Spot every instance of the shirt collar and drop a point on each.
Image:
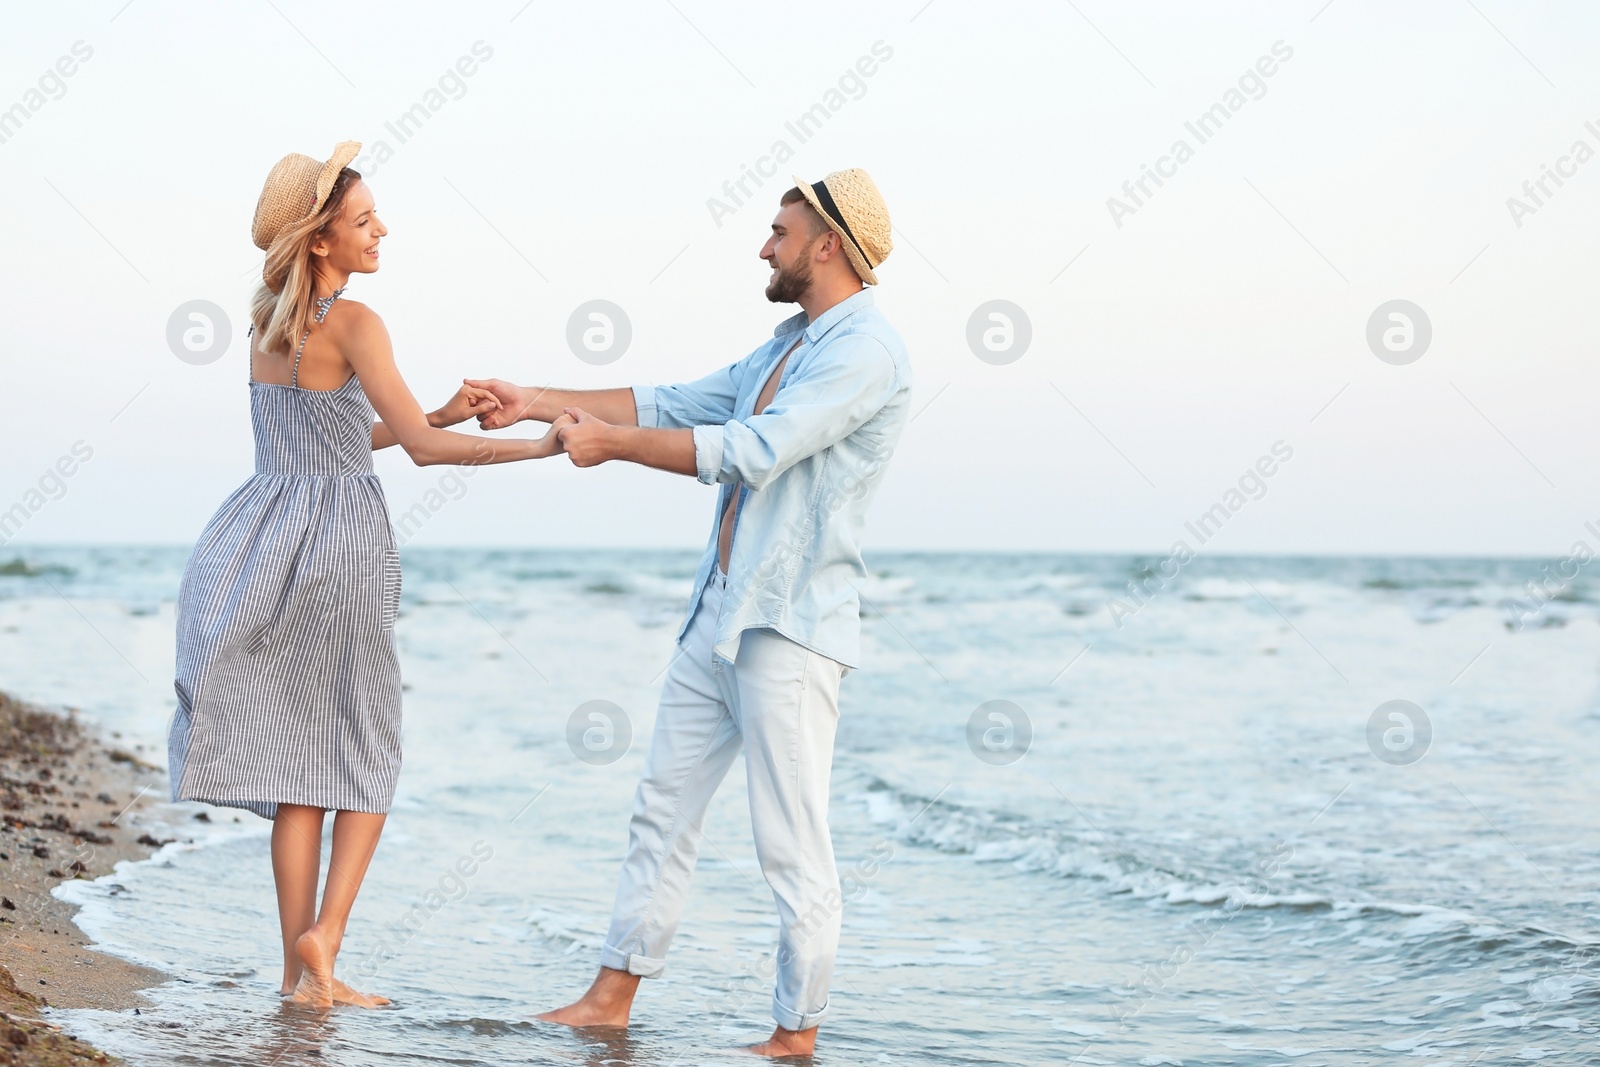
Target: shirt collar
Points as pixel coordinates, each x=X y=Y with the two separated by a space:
x=827 y=319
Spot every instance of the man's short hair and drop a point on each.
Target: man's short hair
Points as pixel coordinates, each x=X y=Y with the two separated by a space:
x=794 y=195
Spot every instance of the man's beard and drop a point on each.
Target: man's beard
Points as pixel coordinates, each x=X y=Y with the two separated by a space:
x=789 y=284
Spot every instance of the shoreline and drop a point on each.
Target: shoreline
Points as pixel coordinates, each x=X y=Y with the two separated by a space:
x=72 y=805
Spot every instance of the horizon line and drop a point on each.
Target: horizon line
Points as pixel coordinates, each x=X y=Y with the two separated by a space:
x=1276 y=554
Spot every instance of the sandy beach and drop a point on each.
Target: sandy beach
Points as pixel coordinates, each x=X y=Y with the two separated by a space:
x=72 y=808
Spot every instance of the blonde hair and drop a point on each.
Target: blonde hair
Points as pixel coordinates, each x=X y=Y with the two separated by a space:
x=284 y=306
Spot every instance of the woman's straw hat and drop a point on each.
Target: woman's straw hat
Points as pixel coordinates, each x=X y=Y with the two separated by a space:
x=851 y=205
x=296 y=189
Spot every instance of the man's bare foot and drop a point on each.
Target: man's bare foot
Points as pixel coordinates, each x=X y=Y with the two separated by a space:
x=784 y=1043
x=608 y=1002
x=316 y=981
x=583 y=1013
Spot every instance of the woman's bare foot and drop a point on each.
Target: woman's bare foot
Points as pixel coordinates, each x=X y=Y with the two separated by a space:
x=608 y=1002
x=316 y=981
x=318 y=987
x=343 y=994
x=784 y=1043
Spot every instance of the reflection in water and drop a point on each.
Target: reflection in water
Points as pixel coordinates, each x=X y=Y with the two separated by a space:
x=608 y=1046
x=299 y=1036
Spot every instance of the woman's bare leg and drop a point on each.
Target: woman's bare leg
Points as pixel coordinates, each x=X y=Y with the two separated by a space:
x=296 y=858
x=355 y=839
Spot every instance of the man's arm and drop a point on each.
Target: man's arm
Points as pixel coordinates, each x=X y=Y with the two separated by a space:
x=591 y=441
x=518 y=402
x=834 y=399
x=701 y=402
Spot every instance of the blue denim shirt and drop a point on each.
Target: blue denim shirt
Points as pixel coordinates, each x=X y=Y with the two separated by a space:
x=807 y=467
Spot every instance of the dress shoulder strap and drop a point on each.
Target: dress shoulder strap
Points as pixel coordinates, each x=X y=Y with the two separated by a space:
x=323 y=306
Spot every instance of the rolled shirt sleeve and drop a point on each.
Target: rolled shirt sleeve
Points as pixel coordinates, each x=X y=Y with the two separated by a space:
x=644 y=405
x=708 y=453
x=850 y=381
x=698 y=403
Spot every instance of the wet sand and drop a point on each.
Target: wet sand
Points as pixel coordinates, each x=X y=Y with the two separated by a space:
x=71 y=806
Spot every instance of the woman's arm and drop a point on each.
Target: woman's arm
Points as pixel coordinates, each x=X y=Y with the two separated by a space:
x=468 y=403
x=364 y=342
x=710 y=400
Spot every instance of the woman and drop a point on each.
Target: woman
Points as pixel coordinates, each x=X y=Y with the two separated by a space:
x=287 y=679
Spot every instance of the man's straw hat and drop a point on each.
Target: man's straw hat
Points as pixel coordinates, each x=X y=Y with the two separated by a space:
x=296 y=189
x=851 y=205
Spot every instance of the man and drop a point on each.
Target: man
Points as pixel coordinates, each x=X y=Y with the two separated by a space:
x=797 y=433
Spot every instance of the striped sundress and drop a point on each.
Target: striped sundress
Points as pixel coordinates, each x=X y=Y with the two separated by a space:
x=287 y=679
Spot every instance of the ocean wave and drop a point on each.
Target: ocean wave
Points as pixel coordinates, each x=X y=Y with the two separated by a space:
x=18 y=567
x=639 y=584
x=569 y=930
x=102 y=902
x=1140 y=872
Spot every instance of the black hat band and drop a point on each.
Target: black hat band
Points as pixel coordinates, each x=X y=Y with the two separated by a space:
x=831 y=209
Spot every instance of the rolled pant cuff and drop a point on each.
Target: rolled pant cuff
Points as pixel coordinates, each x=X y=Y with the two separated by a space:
x=790 y=1019
x=643 y=966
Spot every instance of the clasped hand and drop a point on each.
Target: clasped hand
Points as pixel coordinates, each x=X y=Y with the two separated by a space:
x=470 y=402
x=476 y=402
x=588 y=440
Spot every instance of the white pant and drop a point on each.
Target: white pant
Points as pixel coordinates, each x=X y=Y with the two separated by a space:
x=780 y=702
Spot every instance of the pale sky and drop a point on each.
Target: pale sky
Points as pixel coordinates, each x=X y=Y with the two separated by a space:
x=1227 y=313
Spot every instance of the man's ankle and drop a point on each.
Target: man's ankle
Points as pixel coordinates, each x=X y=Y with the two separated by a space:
x=614 y=986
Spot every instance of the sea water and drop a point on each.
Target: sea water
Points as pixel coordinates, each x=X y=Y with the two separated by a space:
x=1076 y=821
